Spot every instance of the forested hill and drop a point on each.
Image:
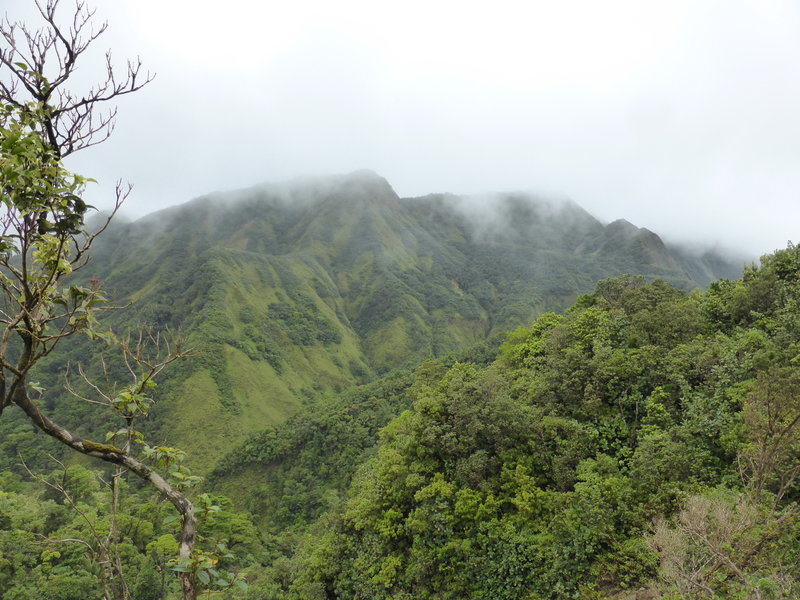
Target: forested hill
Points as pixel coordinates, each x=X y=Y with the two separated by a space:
x=641 y=442
x=644 y=444
x=292 y=291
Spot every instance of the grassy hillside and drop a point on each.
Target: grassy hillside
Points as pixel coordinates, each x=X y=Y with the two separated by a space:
x=292 y=293
x=643 y=444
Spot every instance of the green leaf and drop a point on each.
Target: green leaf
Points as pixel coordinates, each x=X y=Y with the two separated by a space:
x=242 y=585
x=203 y=576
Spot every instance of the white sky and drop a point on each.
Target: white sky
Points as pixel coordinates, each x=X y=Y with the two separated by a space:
x=680 y=116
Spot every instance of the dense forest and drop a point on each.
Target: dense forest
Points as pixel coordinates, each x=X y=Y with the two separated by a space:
x=645 y=443
x=321 y=391
x=289 y=294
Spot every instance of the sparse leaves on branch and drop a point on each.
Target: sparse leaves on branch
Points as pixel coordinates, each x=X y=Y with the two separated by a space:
x=44 y=242
x=38 y=63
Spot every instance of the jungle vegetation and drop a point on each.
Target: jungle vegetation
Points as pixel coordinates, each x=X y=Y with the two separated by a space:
x=387 y=401
x=644 y=441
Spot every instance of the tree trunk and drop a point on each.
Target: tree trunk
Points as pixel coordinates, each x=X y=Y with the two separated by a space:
x=120 y=457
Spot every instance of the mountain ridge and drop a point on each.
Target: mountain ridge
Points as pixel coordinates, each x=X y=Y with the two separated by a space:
x=296 y=290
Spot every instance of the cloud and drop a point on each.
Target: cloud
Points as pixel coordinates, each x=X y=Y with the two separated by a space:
x=678 y=116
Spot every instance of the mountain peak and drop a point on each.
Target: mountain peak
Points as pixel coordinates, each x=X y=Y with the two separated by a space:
x=366 y=175
x=366 y=182
x=622 y=225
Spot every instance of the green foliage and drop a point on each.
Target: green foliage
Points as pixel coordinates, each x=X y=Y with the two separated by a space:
x=303 y=324
x=45 y=549
x=312 y=457
x=532 y=471
x=541 y=474
x=342 y=282
x=33 y=180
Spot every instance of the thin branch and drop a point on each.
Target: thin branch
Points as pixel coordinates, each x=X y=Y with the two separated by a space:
x=68 y=386
x=63 y=491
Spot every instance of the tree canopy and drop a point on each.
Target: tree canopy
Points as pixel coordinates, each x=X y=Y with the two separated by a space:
x=44 y=243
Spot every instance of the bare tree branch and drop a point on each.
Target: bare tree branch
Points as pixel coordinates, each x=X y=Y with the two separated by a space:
x=43 y=242
x=42 y=61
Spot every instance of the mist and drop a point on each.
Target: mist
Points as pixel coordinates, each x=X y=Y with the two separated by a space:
x=676 y=116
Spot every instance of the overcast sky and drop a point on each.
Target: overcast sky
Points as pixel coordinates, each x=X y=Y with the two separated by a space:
x=680 y=116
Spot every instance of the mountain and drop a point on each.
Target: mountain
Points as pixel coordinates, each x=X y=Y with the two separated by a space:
x=643 y=444
x=290 y=292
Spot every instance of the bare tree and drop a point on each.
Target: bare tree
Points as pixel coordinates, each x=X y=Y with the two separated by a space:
x=39 y=62
x=734 y=540
x=43 y=242
x=723 y=545
x=102 y=548
x=770 y=459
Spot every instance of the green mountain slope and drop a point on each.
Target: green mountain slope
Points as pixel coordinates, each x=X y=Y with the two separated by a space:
x=291 y=292
x=643 y=444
